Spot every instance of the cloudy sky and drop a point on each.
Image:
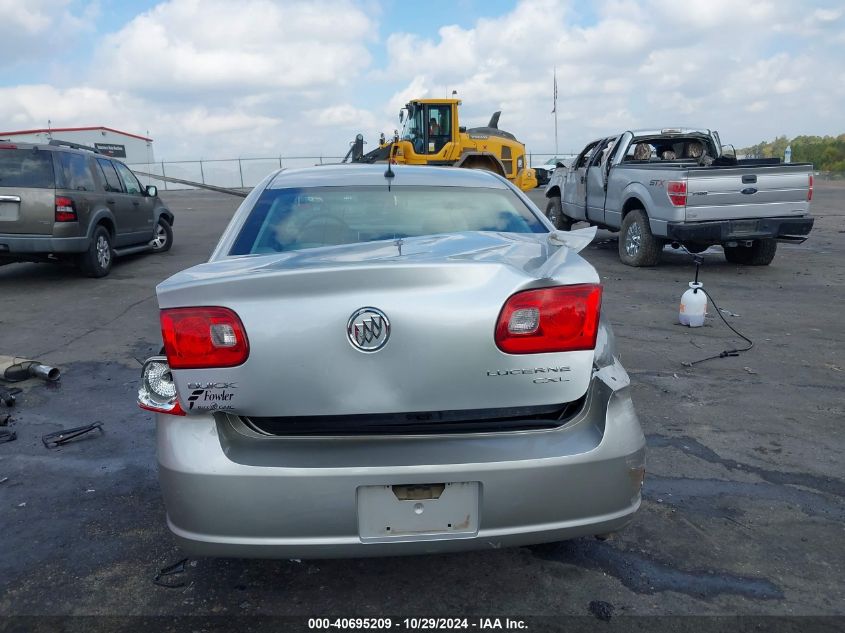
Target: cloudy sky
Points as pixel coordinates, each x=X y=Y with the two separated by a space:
x=220 y=79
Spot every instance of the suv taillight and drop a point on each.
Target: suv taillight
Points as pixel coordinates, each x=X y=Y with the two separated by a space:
x=559 y=319
x=204 y=337
x=810 y=187
x=65 y=209
x=677 y=190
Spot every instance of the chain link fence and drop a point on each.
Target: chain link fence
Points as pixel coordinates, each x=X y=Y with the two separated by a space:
x=232 y=173
x=245 y=173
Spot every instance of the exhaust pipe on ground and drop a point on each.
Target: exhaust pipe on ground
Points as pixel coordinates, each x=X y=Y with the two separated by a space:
x=15 y=369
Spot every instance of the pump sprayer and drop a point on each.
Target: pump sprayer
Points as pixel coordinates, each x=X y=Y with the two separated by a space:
x=694 y=301
x=693 y=310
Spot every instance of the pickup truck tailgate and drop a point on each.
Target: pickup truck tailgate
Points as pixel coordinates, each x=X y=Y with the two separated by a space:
x=755 y=191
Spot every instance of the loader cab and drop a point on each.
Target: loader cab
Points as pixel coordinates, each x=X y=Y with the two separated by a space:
x=427 y=126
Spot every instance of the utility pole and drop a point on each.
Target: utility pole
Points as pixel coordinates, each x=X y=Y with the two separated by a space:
x=554 y=110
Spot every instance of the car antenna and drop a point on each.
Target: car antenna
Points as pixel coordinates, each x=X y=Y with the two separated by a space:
x=389 y=174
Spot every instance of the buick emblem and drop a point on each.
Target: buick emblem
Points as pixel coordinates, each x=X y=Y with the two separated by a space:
x=368 y=329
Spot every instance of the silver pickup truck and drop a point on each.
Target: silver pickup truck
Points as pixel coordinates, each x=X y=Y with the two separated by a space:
x=677 y=186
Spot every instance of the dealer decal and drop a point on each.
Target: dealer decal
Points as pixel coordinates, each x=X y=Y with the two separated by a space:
x=211 y=396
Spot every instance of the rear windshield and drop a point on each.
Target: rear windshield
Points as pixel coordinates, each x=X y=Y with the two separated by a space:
x=675 y=148
x=295 y=219
x=26 y=168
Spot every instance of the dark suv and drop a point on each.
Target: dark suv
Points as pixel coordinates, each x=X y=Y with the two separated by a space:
x=67 y=202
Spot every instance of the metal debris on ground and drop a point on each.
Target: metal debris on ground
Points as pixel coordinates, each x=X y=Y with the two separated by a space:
x=170 y=570
x=7 y=435
x=8 y=395
x=59 y=438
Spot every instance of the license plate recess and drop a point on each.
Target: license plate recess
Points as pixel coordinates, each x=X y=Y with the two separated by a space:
x=419 y=512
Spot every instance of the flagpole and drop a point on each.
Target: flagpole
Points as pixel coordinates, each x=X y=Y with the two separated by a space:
x=554 y=110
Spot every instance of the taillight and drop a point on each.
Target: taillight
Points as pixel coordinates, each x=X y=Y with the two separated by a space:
x=559 y=319
x=8 y=146
x=677 y=190
x=810 y=188
x=65 y=209
x=158 y=391
x=197 y=338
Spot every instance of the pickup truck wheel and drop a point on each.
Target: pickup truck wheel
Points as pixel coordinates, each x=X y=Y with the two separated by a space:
x=637 y=244
x=554 y=211
x=97 y=260
x=760 y=253
x=162 y=238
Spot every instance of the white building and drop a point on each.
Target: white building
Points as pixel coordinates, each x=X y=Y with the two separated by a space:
x=130 y=148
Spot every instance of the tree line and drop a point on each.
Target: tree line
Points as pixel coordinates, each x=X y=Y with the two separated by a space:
x=826 y=153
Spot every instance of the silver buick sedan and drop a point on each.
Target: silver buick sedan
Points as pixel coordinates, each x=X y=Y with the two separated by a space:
x=390 y=362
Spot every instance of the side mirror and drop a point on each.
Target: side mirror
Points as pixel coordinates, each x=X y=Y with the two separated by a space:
x=152 y=191
x=729 y=150
x=401 y=116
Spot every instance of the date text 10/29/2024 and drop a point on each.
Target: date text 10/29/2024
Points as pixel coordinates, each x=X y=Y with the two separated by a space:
x=418 y=624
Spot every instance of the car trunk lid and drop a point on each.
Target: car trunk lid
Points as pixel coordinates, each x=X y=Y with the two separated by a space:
x=442 y=297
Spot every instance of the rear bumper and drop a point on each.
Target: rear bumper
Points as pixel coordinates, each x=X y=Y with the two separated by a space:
x=231 y=493
x=41 y=244
x=722 y=231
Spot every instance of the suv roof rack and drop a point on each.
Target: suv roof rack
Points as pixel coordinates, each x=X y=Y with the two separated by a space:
x=73 y=145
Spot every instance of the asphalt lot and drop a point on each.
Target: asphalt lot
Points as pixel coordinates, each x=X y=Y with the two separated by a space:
x=744 y=496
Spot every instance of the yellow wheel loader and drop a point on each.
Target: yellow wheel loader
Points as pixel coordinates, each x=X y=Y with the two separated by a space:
x=431 y=135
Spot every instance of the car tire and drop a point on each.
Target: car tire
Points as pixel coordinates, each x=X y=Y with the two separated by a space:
x=163 y=237
x=97 y=260
x=760 y=253
x=637 y=244
x=554 y=211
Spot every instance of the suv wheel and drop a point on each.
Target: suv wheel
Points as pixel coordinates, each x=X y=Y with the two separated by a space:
x=760 y=253
x=637 y=244
x=162 y=238
x=554 y=211
x=97 y=260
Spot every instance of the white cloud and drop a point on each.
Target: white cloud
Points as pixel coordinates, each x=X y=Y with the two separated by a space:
x=343 y=115
x=32 y=29
x=220 y=79
x=714 y=63
x=215 y=47
x=34 y=105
